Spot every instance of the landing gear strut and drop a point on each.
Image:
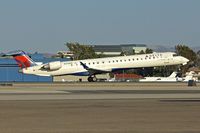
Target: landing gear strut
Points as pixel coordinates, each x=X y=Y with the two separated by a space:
x=92 y=79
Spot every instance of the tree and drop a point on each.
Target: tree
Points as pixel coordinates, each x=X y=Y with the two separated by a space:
x=133 y=51
x=198 y=59
x=122 y=53
x=188 y=53
x=141 y=52
x=81 y=51
x=148 y=51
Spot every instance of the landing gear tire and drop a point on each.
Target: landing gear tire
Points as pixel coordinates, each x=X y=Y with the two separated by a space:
x=92 y=79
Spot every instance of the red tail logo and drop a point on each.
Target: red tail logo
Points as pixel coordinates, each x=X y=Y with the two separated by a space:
x=22 y=59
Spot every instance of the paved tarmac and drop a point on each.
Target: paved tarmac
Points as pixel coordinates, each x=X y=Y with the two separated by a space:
x=100 y=108
x=91 y=91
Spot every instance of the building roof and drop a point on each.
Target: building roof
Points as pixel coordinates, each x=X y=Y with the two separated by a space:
x=114 y=48
x=133 y=45
x=107 y=48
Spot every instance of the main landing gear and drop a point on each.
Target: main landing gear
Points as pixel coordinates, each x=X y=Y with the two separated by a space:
x=92 y=78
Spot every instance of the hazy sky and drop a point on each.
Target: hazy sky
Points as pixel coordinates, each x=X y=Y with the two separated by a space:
x=45 y=25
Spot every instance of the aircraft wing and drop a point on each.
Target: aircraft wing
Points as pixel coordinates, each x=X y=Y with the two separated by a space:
x=93 y=71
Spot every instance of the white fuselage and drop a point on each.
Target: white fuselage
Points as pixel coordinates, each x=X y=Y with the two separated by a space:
x=189 y=76
x=172 y=78
x=109 y=64
x=160 y=79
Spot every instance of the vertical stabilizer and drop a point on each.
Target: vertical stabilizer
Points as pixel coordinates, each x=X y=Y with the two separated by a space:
x=22 y=59
x=173 y=75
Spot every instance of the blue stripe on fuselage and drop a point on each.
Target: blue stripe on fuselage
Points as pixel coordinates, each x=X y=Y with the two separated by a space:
x=86 y=73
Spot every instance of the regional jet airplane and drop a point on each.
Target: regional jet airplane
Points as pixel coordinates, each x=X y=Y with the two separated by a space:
x=172 y=78
x=92 y=67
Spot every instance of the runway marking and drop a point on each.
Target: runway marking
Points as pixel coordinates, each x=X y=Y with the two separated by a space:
x=132 y=91
x=180 y=100
x=36 y=92
x=59 y=94
x=90 y=92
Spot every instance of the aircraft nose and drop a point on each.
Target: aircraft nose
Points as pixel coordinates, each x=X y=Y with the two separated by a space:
x=185 y=60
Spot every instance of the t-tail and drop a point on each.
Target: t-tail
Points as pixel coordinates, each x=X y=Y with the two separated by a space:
x=22 y=59
x=173 y=75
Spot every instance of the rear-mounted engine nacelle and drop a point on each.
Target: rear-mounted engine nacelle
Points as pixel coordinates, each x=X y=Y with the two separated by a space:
x=53 y=65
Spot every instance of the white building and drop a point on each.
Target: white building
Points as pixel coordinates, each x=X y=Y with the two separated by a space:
x=114 y=50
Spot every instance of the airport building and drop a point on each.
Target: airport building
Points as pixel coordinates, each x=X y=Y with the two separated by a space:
x=114 y=50
x=9 y=70
x=111 y=50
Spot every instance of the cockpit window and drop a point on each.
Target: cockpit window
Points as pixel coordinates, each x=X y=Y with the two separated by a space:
x=174 y=55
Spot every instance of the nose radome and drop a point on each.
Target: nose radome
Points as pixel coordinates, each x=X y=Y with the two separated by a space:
x=185 y=60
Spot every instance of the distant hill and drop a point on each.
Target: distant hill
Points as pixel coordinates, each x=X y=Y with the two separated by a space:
x=161 y=48
x=165 y=48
